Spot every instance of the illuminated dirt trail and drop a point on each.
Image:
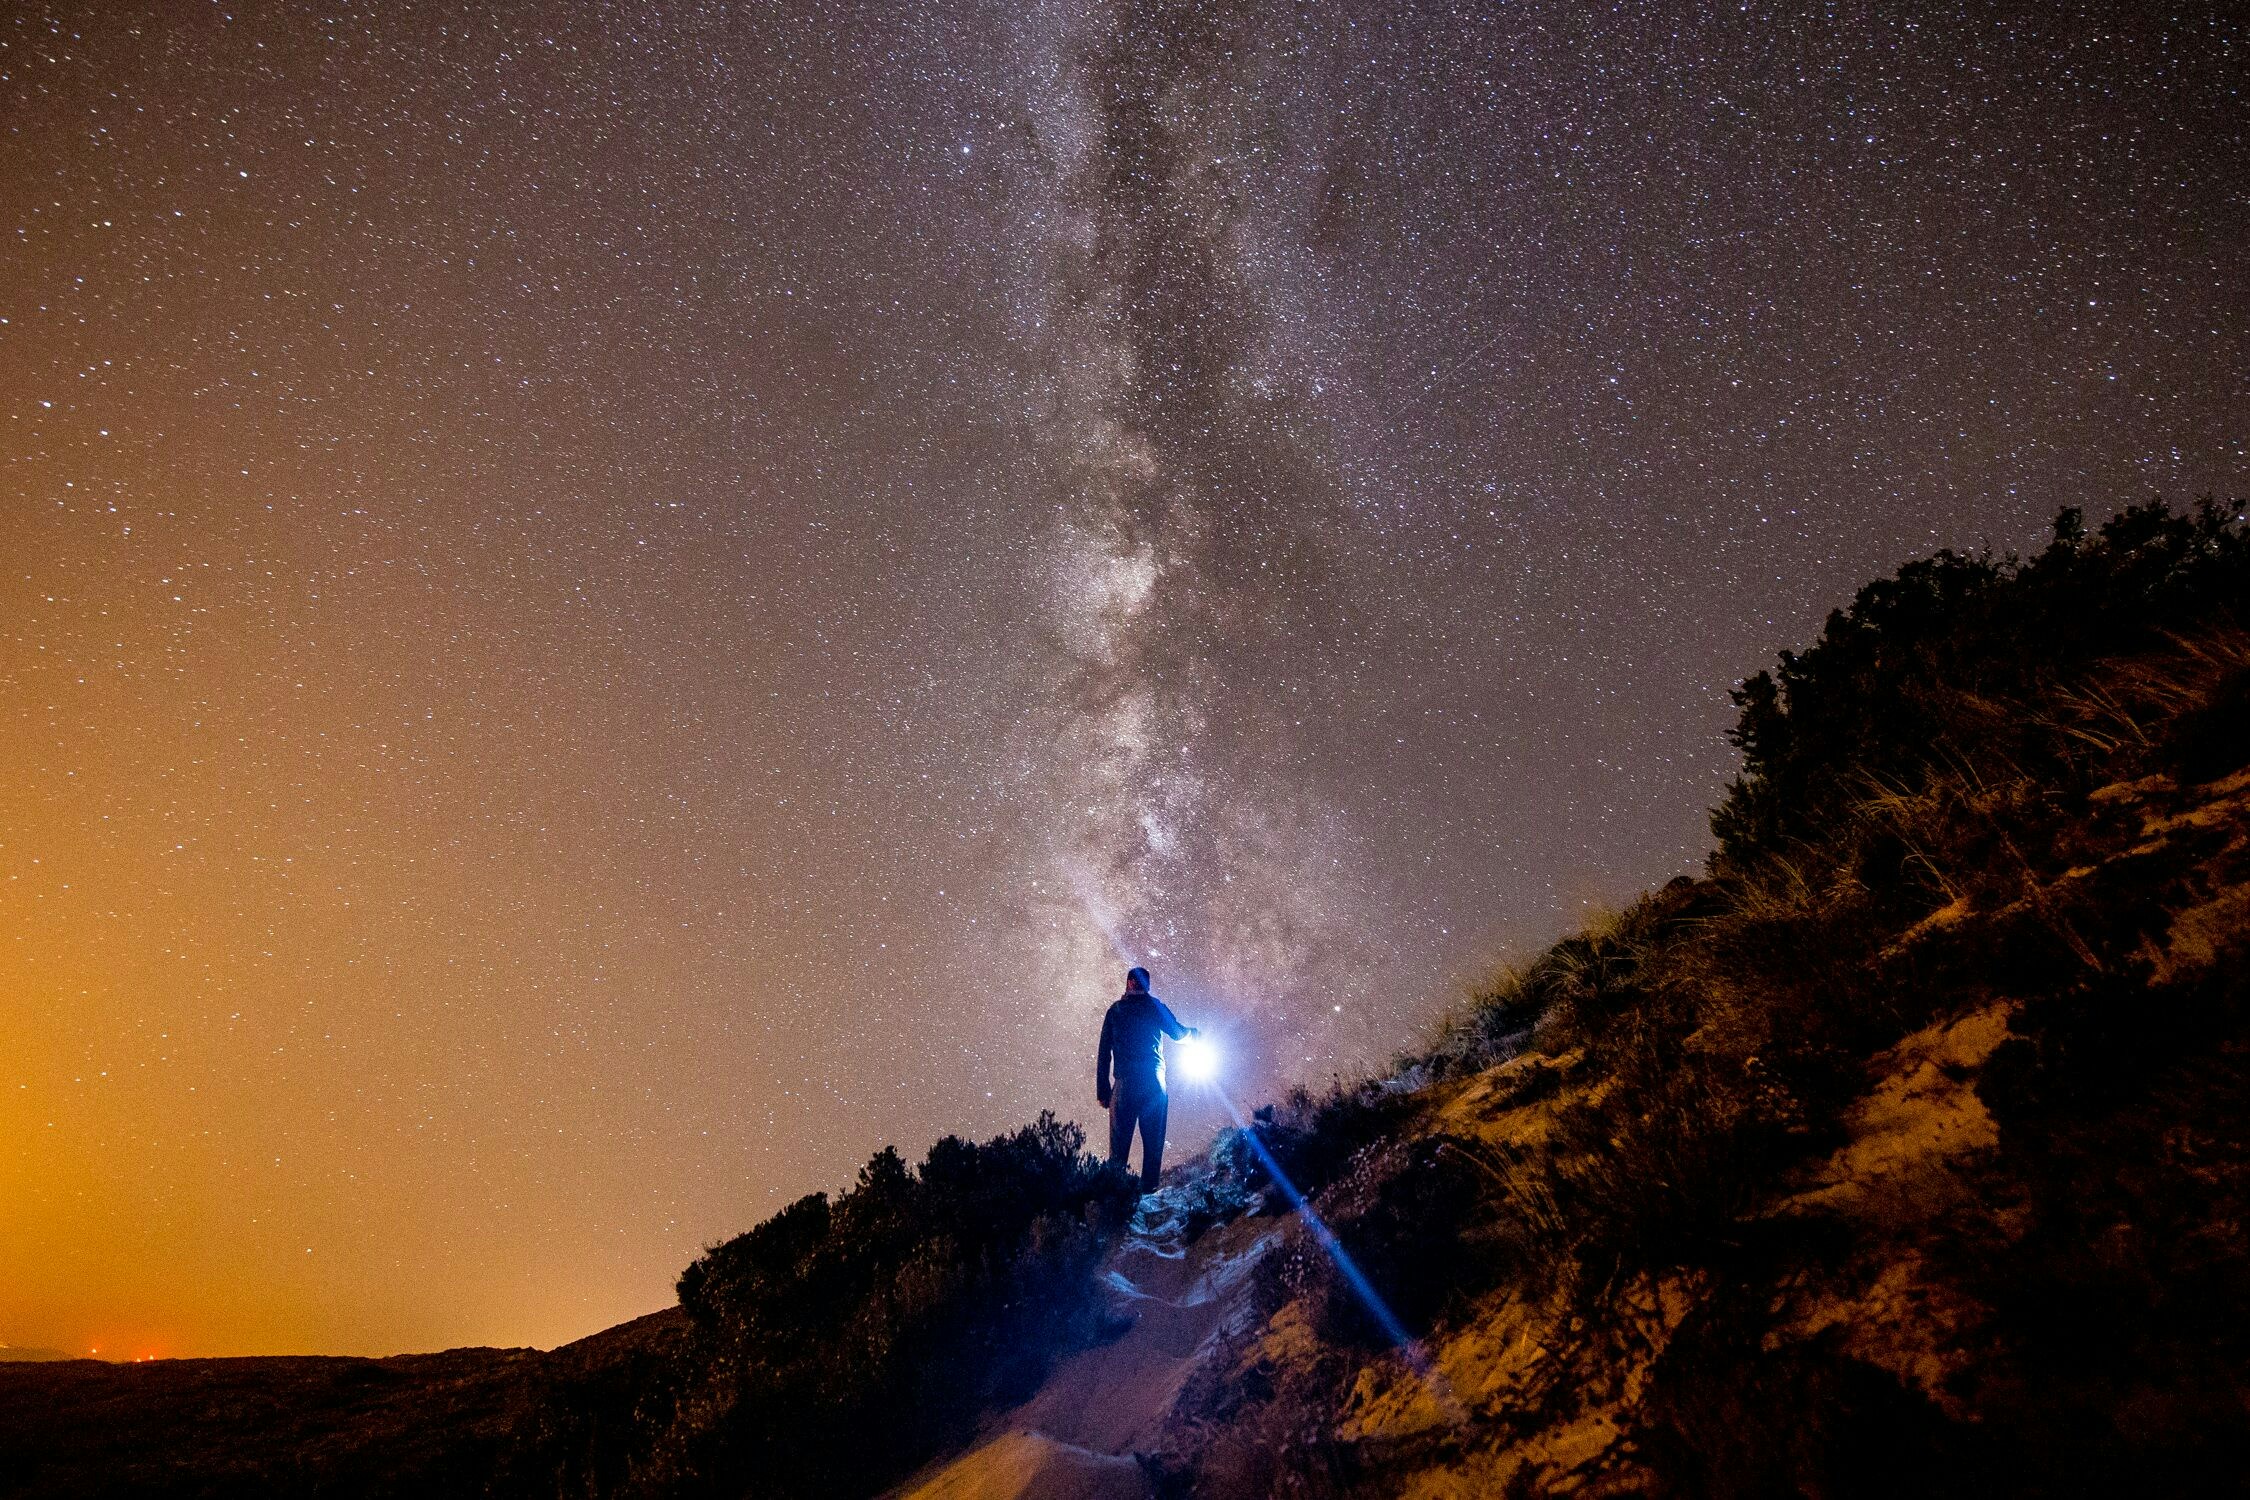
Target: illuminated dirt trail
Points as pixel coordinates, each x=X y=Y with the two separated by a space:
x=1075 y=1438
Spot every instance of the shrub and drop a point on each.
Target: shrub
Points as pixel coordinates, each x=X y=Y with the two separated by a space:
x=1926 y=666
x=843 y=1341
x=1310 y=1137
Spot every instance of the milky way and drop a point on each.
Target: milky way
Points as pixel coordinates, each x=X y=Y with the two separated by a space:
x=1199 y=613
x=610 y=608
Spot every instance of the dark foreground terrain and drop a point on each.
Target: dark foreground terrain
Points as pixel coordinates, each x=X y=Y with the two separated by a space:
x=1903 y=1153
x=431 y=1424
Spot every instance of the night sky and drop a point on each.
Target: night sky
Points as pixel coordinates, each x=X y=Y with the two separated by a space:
x=607 y=608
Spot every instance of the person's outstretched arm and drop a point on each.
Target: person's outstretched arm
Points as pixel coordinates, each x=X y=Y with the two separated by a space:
x=1171 y=1023
x=1101 y=1061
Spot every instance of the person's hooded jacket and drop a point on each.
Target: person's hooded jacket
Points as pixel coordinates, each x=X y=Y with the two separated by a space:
x=1132 y=1033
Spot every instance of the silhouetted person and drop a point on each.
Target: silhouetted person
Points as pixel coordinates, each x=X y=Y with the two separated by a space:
x=1131 y=1034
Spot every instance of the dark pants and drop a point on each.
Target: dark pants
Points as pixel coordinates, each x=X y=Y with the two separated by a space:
x=1144 y=1104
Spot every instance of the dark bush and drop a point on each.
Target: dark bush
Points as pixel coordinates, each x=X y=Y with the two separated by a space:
x=1310 y=1137
x=1932 y=665
x=844 y=1341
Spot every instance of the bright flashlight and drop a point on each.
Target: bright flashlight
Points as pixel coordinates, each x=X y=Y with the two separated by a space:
x=1198 y=1060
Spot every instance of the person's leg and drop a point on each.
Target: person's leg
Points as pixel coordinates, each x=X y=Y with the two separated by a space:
x=1154 y=1109
x=1121 y=1116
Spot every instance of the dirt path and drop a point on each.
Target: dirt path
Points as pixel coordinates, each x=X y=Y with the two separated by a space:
x=1075 y=1438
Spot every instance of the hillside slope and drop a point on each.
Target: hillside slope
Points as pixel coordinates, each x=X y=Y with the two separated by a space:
x=1902 y=1153
x=1990 y=1269
x=2004 y=1252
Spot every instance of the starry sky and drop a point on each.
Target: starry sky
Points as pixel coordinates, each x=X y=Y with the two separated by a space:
x=605 y=608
